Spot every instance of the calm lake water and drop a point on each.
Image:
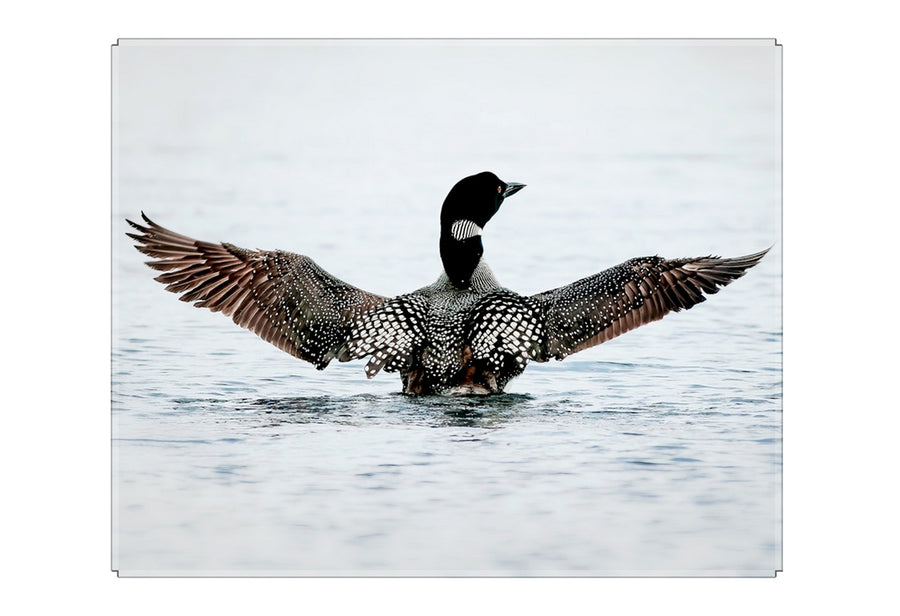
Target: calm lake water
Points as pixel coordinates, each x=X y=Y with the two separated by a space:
x=657 y=453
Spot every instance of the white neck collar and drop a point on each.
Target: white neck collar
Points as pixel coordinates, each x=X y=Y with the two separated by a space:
x=464 y=229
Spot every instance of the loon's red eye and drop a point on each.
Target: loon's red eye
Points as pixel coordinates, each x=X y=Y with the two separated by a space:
x=499 y=189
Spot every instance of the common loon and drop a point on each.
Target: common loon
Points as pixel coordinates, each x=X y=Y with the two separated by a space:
x=464 y=334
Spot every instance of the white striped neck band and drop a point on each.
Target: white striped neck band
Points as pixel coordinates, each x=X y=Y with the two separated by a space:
x=464 y=229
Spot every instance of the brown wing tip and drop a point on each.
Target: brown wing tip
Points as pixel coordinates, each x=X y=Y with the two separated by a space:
x=747 y=261
x=147 y=219
x=754 y=258
x=154 y=230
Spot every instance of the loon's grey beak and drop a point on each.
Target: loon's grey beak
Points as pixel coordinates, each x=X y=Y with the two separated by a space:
x=512 y=188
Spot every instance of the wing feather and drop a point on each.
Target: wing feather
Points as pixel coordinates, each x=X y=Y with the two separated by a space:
x=285 y=298
x=600 y=307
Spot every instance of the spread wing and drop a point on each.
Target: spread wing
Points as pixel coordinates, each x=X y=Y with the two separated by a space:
x=600 y=307
x=283 y=297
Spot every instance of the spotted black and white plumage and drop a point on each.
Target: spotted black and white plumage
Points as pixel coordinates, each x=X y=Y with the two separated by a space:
x=463 y=334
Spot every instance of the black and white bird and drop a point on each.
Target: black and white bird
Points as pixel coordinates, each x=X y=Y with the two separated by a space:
x=464 y=334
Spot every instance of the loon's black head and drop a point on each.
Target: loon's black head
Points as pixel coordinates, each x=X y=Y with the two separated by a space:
x=476 y=198
x=471 y=203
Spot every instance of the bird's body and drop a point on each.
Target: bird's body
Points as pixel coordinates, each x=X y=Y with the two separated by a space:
x=464 y=334
x=463 y=341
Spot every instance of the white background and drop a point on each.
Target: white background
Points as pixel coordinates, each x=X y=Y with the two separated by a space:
x=840 y=133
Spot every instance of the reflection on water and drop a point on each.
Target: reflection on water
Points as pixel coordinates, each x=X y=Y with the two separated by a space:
x=369 y=409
